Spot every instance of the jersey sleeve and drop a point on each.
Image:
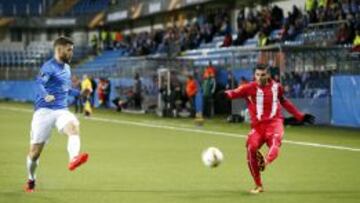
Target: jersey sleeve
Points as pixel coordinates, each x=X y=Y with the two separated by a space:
x=240 y=92
x=42 y=78
x=289 y=106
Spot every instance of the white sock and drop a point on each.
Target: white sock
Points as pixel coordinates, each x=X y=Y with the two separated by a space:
x=31 y=167
x=73 y=146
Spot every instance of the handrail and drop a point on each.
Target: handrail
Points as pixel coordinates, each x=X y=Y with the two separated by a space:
x=337 y=22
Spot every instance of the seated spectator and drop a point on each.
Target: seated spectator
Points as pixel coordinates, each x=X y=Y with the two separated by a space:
x=227 y=40
x=343 y=34
x=263 y=39
x=242 y=36
x=356 y=43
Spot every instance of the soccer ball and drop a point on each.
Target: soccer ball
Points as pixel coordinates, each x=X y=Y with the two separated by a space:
x=212 y=157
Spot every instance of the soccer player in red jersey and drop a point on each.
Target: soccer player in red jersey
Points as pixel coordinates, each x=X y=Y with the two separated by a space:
x=264 y=99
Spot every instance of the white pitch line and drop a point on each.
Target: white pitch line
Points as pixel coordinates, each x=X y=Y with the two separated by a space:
x=142 y=124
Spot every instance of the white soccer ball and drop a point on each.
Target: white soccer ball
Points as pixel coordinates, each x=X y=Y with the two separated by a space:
x=212 y=157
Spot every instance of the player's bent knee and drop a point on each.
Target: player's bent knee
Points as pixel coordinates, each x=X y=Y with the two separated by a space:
x=72 y=128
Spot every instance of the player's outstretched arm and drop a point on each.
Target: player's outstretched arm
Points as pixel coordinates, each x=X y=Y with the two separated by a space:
x=239 y=92
x=299 y=118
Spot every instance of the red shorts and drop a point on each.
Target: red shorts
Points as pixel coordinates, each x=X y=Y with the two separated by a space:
x=269 y=132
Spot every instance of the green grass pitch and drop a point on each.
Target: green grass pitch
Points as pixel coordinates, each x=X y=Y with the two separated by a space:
x=143 y=158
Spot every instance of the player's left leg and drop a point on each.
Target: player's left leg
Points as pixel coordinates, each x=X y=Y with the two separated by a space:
x=41 y=125
x=68 y=124
x=253 y=144
x=274 y=134
x=32 y=161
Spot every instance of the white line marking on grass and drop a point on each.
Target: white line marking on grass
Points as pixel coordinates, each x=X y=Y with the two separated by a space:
x=208 y=132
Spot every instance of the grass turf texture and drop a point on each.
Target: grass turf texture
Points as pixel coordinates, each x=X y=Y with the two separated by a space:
x=142 y=164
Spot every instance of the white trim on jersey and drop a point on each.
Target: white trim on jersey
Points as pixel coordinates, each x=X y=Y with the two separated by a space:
x=274 y=90
x=259 y=103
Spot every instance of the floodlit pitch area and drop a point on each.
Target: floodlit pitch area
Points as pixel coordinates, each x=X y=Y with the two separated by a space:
x=143 y=158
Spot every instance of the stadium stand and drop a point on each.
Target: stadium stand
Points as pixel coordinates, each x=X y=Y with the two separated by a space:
x=21 y=8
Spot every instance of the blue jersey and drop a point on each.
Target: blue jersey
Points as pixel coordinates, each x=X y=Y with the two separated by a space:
x=54 y=79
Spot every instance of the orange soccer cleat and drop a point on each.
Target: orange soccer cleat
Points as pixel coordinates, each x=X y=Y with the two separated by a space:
x=78 y=161
x=257 y=190
x=30 y=186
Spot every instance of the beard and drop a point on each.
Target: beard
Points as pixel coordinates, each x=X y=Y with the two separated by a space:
x=65 y=59
x=263 y=81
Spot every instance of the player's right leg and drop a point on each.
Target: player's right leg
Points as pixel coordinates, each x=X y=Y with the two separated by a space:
x=41 y=126
x=274 y=134
x=68 y=124
x=253 y=144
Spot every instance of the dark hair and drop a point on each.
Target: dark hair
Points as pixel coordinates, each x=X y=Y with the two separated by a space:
x=63 y=41
x=261 y=67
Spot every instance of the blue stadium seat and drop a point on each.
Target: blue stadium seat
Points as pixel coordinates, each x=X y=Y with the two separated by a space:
x=106 y=60
x=88 y=7
x=20 y=7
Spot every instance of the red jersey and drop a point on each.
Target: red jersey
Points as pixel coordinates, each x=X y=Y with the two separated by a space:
x=264 y=102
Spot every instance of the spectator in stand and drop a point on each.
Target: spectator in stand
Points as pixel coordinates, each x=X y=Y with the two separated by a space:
x=227 y=40
x=343 y=34
x=356 y=42
x=346 y=6
x=277 y=15
x=242 y=36
x=310 y=7
x=355 y=6
x=323 y=4
x=95 y=44
x=263 y=39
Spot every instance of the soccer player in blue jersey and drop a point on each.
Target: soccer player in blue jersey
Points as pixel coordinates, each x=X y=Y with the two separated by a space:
x=51 y=109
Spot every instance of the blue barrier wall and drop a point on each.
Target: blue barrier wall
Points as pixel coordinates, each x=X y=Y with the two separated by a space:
x=319 y=107
x=26 y=90
x=18 y=90
x=345 y=101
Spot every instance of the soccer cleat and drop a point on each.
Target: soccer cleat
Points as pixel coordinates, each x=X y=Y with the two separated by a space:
x=78 y=161
x=261 y=161
x=30 y=186
x=256 y=190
